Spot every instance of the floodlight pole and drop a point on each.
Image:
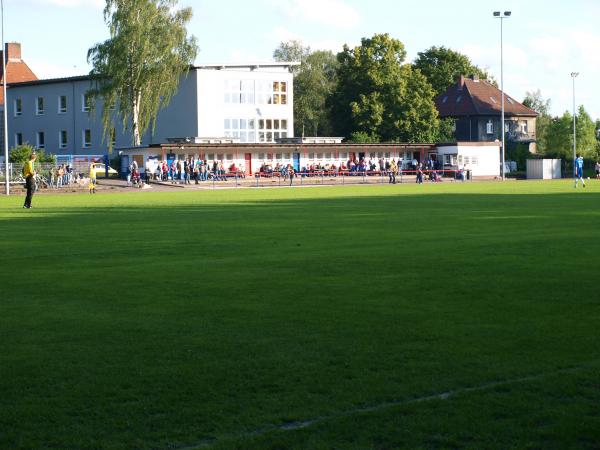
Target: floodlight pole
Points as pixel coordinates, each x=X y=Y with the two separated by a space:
x=5 y=107
x=506 y=15
x=574 y=75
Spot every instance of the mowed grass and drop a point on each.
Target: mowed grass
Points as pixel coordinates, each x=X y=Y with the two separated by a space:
x=316 y=318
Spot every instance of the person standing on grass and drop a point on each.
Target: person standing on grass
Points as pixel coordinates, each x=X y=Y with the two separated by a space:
x=392 y=172
x=29 y=175
x=597 y=170
x=419 y=174
x=579 y=171
x=291 y=173
x=92 y=185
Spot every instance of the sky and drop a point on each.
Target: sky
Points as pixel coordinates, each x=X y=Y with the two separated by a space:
x=544 y=40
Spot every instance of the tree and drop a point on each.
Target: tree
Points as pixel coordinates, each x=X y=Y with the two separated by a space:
x=560 y=136
x=137 y=70
x=292 y=51
x=442 y=67
x=21 y=153
x=379 y=96
x=586 y=134
x=314 y=82
x=535 y=101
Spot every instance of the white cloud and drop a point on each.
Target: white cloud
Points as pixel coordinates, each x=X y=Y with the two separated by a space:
x=333 y=13
x=281 y=34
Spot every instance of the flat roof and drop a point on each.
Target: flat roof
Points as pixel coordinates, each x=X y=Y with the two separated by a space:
x=51 y=81
x=75 y=78
x=254 y=65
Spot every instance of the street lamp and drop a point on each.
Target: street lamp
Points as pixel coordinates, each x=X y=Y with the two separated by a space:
x=4 y=111
x=574 y=75
x=503 y=16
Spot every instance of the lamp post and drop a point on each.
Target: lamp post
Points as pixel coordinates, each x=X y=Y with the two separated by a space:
x=4 y=109
x=502 y=16
x=573 y=76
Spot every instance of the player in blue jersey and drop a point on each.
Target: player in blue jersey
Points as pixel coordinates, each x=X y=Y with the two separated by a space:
x=579 y=171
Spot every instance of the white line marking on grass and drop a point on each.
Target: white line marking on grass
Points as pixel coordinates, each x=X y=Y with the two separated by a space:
x=292 y=426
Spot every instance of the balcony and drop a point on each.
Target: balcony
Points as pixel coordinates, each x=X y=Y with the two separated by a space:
x=520 y=136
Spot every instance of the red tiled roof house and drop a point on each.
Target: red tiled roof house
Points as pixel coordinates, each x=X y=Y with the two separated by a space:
x=476 y=106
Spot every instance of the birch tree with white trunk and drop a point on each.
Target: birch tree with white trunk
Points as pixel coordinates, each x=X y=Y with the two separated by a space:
x=137 y=70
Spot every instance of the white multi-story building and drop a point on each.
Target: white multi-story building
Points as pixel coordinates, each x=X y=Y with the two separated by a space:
x=251 y=103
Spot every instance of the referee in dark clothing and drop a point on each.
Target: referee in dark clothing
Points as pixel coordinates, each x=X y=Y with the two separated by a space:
x=29 y=174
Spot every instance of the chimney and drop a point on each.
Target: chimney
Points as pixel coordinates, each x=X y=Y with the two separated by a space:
x=12 y=50
x=475 y=77
x=461 y=82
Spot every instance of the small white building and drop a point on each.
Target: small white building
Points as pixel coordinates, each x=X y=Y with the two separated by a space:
x=481 y=158
x=544 y=169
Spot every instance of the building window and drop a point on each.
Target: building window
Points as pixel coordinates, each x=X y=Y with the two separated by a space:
x=86 y=102
x=39 y=106
x=18 y=107
x=87 y=138
x=239 y=91
x=271 y=129
x=62 y=104
x=279 y=93
x=272 y=92
x=18 y=139
x=63 y=139
x=489 y=127
x=242 y=129
x=40 y=140
x=524 y=128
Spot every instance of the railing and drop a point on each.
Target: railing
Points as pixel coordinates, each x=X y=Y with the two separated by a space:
x=342 y=177
x=519 y=136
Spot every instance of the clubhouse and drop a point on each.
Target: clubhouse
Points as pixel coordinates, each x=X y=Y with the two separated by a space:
x=481 y=158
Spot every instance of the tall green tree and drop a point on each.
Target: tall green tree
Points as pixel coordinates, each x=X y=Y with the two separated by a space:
x=379 y=96
x=442 y=67
x=536 y=101
x=292 y=51
x=314 y=83
x=137 y=70
x=560 y=136
x=586 y=134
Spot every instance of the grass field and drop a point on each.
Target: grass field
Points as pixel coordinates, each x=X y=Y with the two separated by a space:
x=376 y=317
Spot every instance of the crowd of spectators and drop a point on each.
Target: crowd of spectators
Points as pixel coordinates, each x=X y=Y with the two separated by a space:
x=183 y=171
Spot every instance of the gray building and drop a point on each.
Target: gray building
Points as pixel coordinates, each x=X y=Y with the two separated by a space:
x=248 y=103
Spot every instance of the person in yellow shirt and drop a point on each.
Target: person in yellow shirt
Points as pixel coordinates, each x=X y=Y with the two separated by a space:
x=29 y=174
x=92 y=185
x=392 y=172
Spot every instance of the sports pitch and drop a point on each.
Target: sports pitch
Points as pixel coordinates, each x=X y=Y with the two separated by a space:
x=439 y=316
